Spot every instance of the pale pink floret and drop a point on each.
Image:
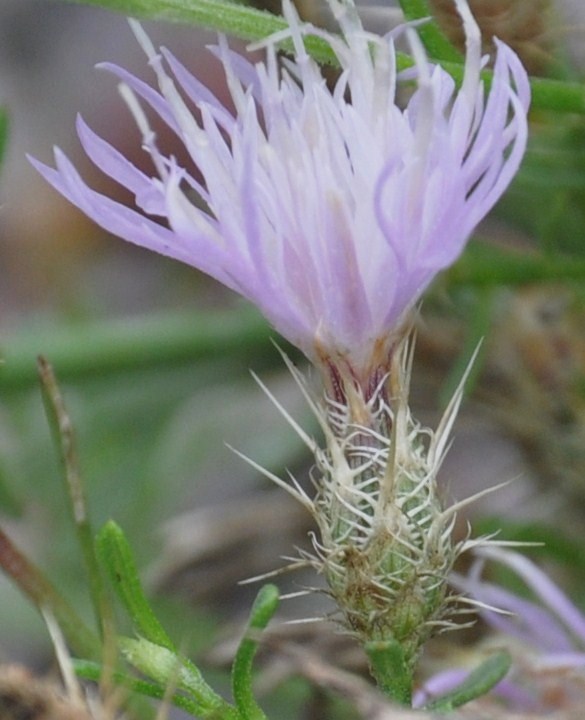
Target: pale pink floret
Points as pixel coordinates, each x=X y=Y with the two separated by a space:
x=330 y=210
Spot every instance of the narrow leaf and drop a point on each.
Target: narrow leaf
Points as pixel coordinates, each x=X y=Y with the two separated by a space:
x=86 y=350
x=485 y=265
x=116 y=556
x=479 y=324
x=11 y=502
x=155 y=653
x=262 y=612
x=479 y=682
x=168 y=669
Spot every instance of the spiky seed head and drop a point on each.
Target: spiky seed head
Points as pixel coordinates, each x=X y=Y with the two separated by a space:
x=385 y=543
x=386 y=547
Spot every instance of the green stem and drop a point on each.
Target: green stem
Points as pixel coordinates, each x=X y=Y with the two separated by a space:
x=62 y=430
x=117 y=558
x=547 y=94
x=221 y=15
x=390 y=670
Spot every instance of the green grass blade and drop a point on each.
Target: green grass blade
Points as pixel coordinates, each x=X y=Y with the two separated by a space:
x=64 y=439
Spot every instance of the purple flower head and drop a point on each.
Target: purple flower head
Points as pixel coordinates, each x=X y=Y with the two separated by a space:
x=331 y=210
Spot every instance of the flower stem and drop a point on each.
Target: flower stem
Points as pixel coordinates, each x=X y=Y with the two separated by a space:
x=64 y=439
x=390 y=670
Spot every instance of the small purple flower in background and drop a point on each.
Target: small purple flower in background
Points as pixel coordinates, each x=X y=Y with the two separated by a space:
x=552 y=625
x=331 y=211
x=545 y=635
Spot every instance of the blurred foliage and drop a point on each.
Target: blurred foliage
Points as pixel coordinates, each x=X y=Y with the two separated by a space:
x=547 y=198
x=153 y=401
x=123 y=407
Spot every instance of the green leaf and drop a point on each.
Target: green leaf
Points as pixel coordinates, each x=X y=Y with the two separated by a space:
x=262 y=612
x=479 y=682
x=435 y=41
x=12 y=503
x=154 y=653
x=171 y=670
x=116 y=555
x=390 y=669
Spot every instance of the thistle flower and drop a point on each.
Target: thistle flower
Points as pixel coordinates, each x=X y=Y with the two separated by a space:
x=330 y=211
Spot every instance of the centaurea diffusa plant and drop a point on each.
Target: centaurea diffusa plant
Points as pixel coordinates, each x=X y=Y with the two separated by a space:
x=332 y=211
